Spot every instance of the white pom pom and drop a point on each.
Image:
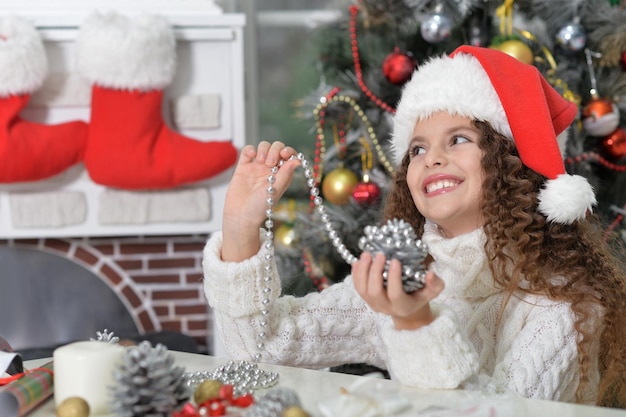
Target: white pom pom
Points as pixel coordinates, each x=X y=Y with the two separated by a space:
x=23 y=61
x=126 y=52
x=566 y=198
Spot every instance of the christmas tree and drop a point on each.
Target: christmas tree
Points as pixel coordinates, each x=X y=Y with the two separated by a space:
x=365 y=58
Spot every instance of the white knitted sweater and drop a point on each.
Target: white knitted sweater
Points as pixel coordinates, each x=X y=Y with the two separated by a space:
x=531 y=352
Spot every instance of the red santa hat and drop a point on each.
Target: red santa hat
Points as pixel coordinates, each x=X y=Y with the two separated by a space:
x=488 y=85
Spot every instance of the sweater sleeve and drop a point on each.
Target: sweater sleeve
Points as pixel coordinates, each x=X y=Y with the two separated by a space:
x=319 y=330
x=437 y=356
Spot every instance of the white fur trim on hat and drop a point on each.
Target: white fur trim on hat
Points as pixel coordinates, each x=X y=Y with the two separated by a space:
x=459 y=86
x=23 y=62
x=129 y=53
x=566 y=198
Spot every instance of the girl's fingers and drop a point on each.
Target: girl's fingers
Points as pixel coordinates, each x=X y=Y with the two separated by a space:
x=263 y=149
x=375 y=283
x=394 y=279
x=287 y=152
x=273 y=156
x=434 y=286
x=359 y=272
x=248 y=153
x=284 y=175
x=270 y=154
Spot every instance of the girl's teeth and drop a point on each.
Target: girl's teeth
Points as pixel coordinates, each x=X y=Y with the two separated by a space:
x=439 y=185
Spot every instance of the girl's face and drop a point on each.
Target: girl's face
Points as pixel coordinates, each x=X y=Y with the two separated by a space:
x=445 y=175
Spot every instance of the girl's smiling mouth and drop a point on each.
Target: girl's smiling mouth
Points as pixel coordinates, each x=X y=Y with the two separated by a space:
x=440 y=183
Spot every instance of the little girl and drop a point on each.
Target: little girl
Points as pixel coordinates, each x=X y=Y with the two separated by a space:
x=522 y=294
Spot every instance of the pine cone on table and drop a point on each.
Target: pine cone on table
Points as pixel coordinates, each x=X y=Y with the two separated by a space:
x=148 y=383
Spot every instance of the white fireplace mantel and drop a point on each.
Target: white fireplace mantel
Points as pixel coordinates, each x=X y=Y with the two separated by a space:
x=210 y=64
x=58 y=13
x=158 y=6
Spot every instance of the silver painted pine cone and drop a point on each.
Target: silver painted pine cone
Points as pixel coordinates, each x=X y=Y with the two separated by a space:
x=397 y=239
x=147 y=383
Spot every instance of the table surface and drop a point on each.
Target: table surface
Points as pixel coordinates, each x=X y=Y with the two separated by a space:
x=317 y=387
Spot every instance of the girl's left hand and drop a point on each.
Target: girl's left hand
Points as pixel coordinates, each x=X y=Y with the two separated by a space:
x=408 y=311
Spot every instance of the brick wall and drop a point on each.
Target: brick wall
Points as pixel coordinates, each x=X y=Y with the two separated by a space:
x=158 y=279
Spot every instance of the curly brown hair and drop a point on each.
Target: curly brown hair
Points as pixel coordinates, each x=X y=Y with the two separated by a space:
x=594 y=277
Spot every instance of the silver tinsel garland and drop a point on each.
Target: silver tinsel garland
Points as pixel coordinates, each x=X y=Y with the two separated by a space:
x=397 y=239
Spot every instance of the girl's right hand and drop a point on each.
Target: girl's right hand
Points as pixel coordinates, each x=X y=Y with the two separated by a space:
x=246 y=198
x=408 y=311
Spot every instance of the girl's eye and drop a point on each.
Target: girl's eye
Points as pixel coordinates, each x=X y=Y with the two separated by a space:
x=416 y=150
x=460 y=139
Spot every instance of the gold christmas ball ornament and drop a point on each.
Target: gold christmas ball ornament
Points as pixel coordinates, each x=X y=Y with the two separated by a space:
x=207 y=390
x=338 y=184
x=73 y=407
x=295 y=411
x=285 y=236
x=517 y=49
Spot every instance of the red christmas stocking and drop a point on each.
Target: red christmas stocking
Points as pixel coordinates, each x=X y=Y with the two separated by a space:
x=30 y=151
x=130 y=61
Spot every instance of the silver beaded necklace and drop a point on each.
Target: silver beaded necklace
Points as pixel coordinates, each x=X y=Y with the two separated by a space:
x=269 y=240
x=395 y=239
x=245 y=377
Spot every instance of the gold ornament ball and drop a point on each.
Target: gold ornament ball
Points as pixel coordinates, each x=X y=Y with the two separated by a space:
x=207 y=390
x=517 y=49
x=338 y=184
x=285 y=236
x=73 y=407
x=294 y=411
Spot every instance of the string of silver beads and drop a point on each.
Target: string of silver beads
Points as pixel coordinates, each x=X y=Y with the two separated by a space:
x=343 y=251
x=396 y=239
x=244 y=376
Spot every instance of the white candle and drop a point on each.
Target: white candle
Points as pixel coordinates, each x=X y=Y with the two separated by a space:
x=85 y=369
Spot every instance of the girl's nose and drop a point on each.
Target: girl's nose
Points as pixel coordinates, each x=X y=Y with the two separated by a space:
x=435 y=156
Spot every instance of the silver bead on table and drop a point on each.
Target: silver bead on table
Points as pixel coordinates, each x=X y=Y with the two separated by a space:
x=244 y=376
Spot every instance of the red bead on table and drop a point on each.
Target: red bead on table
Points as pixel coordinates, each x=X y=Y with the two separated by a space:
x=188 y=410
x=226 y=392
x=243 y=401
x=217 y=408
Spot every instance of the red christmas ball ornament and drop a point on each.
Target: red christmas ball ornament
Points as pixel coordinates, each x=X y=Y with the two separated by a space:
x=398 y=67
x=366 y=193
x=623 y=61
x=600 y=117
x=614 y=145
